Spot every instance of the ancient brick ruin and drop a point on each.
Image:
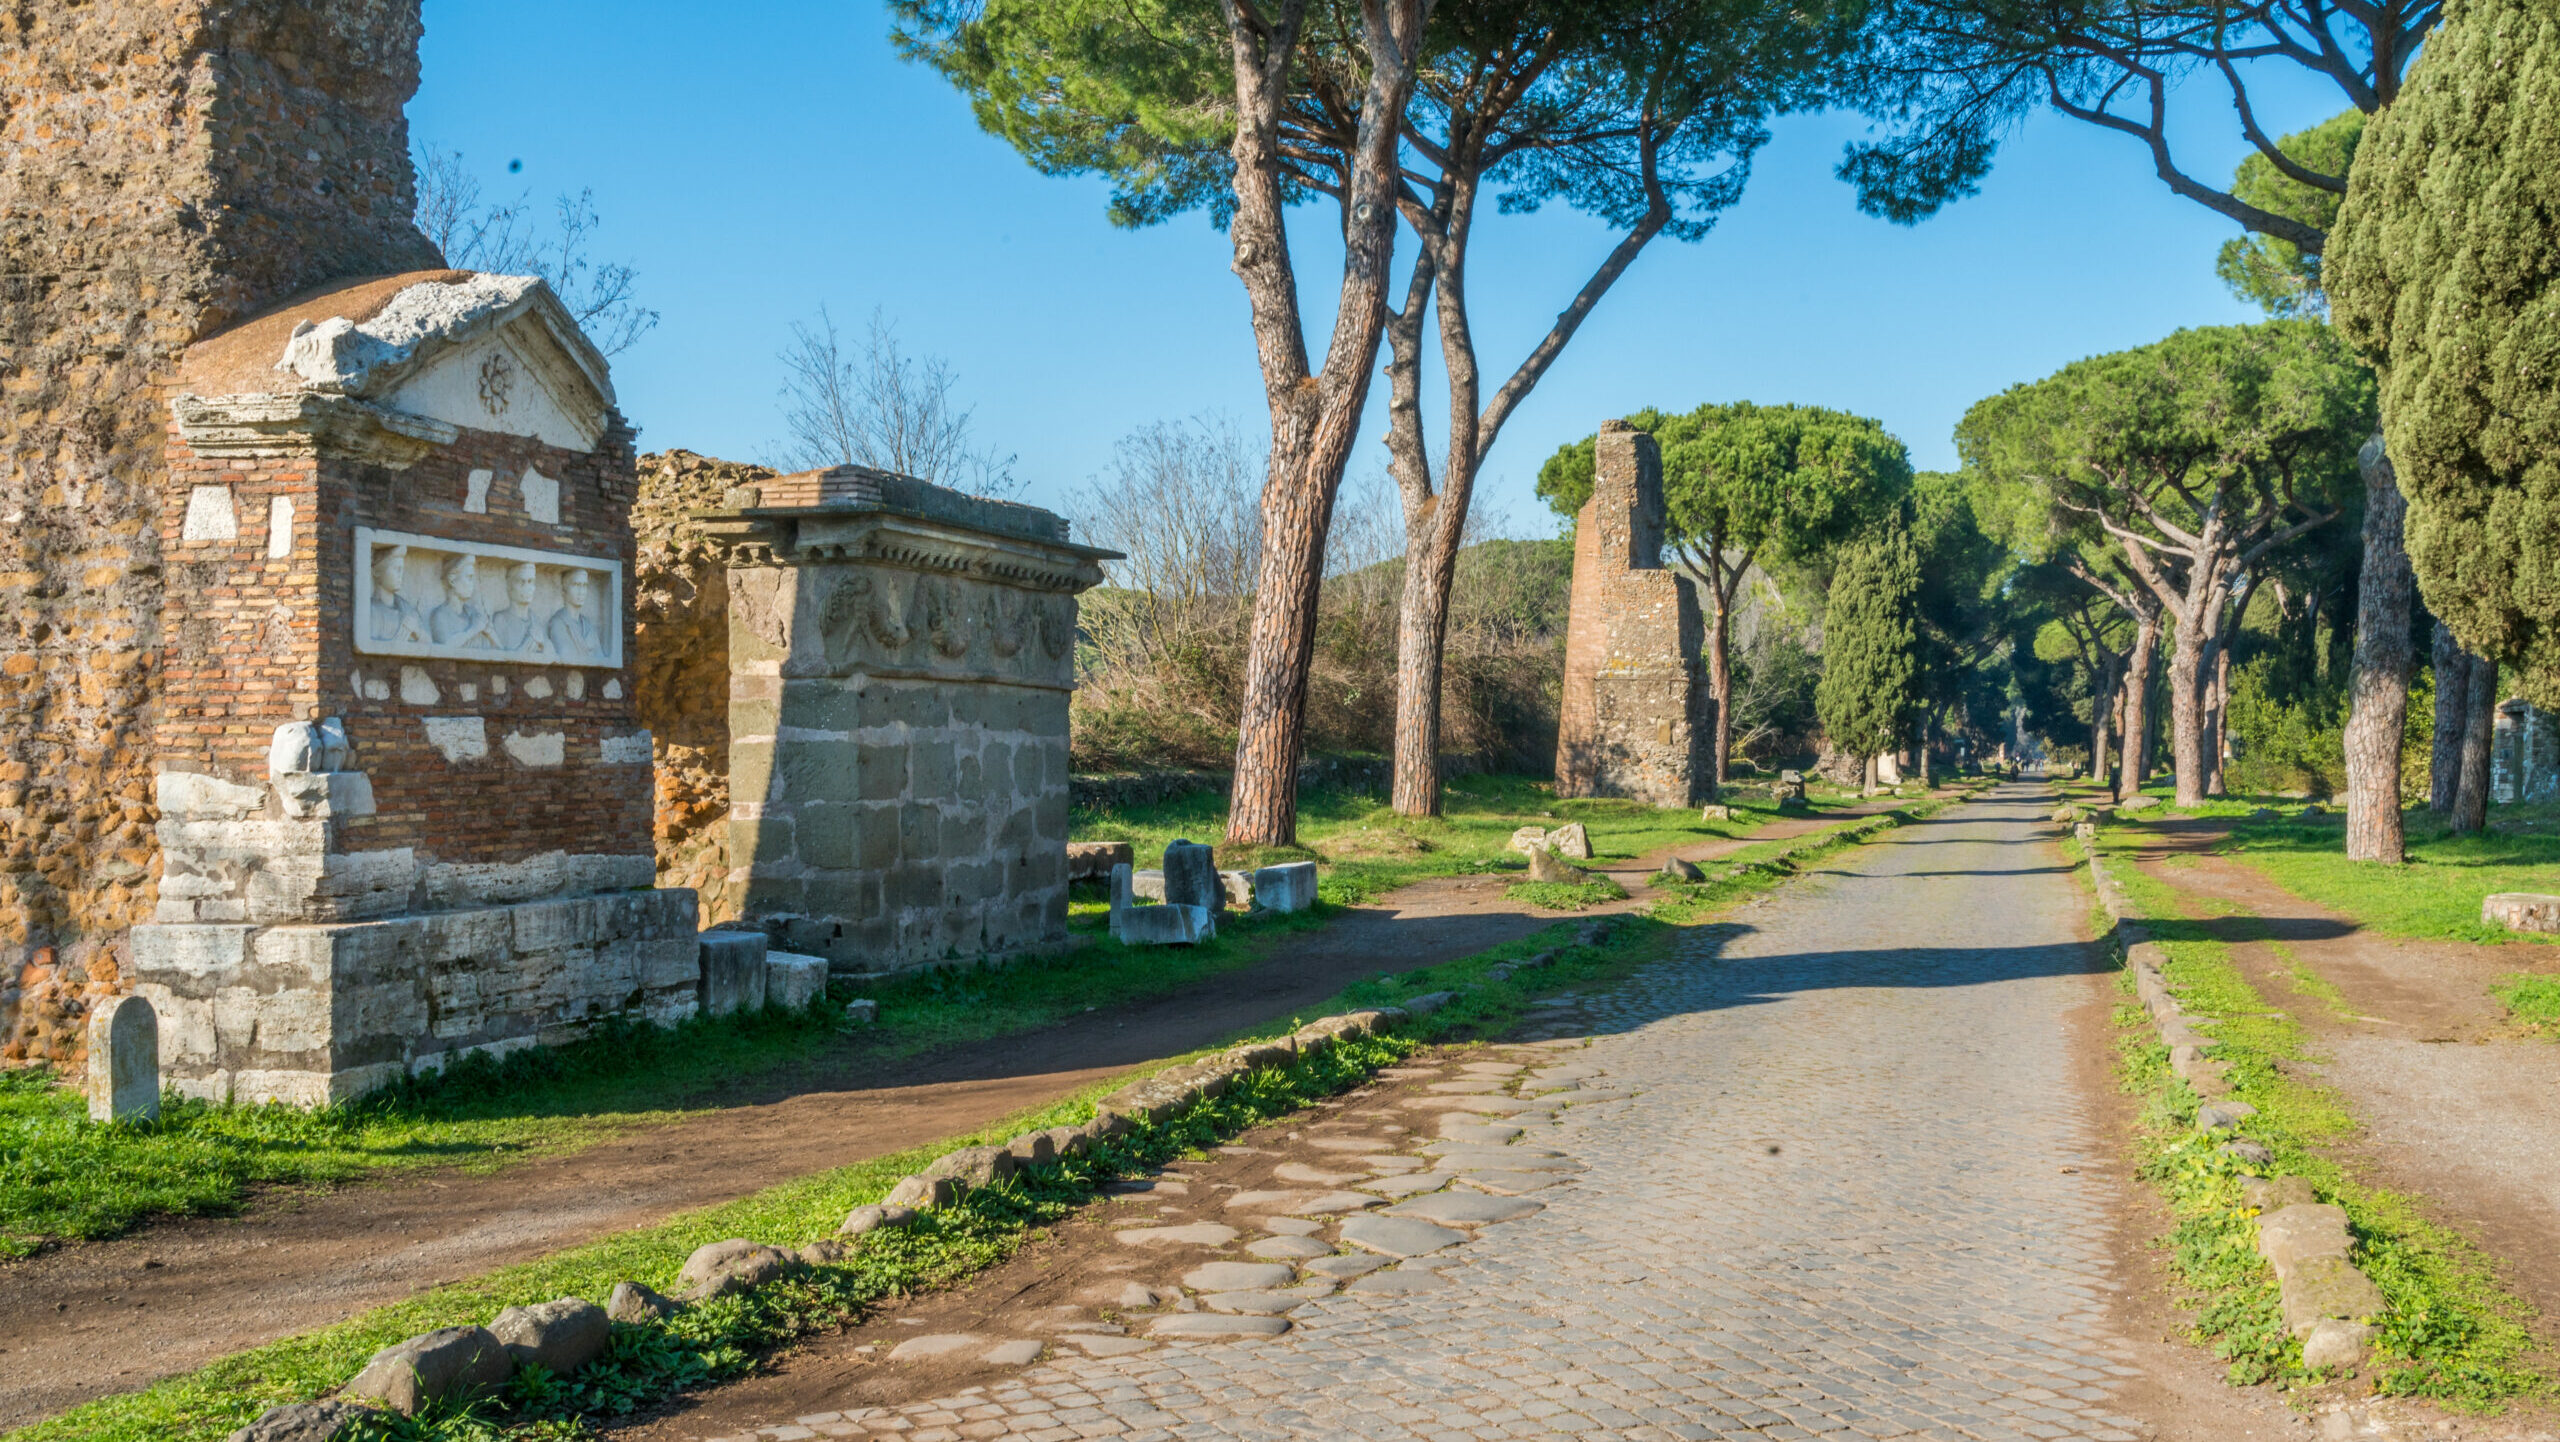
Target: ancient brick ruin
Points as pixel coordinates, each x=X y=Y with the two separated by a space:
x=1637 y=719
x=900 y=660
x=404 y=799
x=172 y=167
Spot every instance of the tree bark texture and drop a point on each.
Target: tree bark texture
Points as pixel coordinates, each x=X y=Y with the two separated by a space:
x=2453 y=703
x=2378 y=687
x=2479 y=731
x=1315 y=415
x=2102 y=713
x=2134 y=768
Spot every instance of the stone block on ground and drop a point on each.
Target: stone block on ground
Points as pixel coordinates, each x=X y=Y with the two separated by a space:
x=1237 y=888
x=2522 y=911
x=635 y=1305
x=2295 y=1234
x=862 y=1011
x=1147 y=883
x=1679 y=870
x=2333 y=1342
x=1288 y=887
x=2326 y=1288
x=124 y=1061
x=2138 y=803
x=303 y=1422
x=1544 y=865
x=873 y=1217
x=1167 y=925
x=719 y=1268
x=1428 y=1002
x=446 y=1365
x=1191 y=876
x=1093 y=860
x=973 y=1166
x=1712 y=811
x=733 y=971
x=792 y=981
x=1032 y=1149
x=1529 y=838
x=1572 y=839
x=559 y=1336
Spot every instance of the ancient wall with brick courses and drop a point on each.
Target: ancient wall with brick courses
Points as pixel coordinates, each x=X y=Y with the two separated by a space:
x=247 y=653
x=166 y=167
x=1636 y=719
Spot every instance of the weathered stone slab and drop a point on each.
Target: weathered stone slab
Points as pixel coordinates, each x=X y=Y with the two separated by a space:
x=124 y=1061
x=1288 y=887
x=1203 y=1325
x=1571 y=840
x=1512 y=1184
x=1466 y=1209
x=1346 y=1264
x=304 y=1422
x=1237 y=1276
x=939 y=1344
x=559 y=1336
x=1399 y=1236
x=1191 y=876
x=1193 y=1234
x=1255 y=1304
x=1021 y=1352
x=447 y=1365
x=718 y=1268
x=1289 y=1249
x=2522 y=911
x=792 y=981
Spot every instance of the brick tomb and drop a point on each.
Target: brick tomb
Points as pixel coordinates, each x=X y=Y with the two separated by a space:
x=1637 y=718
x=900 y=660
x=404 y=801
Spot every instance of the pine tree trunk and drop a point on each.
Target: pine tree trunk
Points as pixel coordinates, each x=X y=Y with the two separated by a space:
x=2378 y=696
x=1297 y=512
x=1928 y=773
x=1422 y=630
x=2453 y=703
x=2186 y=714
x=2217 y=711
x=2479 y=731
x=2102 y=711
x=1720 y=679
x=2137 y=707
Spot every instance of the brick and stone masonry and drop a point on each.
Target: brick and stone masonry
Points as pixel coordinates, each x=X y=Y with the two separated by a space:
x=1637 y=719
x=172 y=166
x=404 y=801
x=900 y=661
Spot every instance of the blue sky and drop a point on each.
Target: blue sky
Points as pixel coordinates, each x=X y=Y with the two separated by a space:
x=758 y=161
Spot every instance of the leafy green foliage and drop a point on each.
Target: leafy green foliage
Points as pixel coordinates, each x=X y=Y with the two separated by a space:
x=2277 y=275
x=1870 y=690
x=2445 y=270
x=2532 y=998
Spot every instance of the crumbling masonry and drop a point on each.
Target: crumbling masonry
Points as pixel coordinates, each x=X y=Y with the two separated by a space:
x=1637 y=719
x=167 y=167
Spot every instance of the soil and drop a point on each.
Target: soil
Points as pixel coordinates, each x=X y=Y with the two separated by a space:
x=2456 y=1108
x=86 y=1320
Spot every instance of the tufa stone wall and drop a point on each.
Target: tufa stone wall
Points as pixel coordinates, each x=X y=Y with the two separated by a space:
x=170 y=166
x=681 y=666
x=1637 y=719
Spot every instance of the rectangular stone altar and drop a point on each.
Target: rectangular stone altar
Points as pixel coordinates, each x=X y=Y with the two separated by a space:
x=901 y=656
x=404 y=797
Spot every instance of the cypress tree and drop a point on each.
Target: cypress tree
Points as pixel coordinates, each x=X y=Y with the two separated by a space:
x=2444 y=269
x=1870 y=690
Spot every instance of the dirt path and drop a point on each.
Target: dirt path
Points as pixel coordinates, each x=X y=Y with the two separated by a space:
x=1847 y=1166
x=87 y=1320
x=2457 y=1110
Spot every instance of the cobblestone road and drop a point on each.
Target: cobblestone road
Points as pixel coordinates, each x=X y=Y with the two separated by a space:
x=1840 y=1206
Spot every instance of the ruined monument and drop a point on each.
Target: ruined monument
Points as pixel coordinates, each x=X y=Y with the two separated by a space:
x=172 y=167
x=1637 y=719
x=404 y=803
x=900 y=661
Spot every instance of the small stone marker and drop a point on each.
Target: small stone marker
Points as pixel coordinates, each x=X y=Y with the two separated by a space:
x=792 y=981
x=1191 y=876
x=124 y=1061
x=733 y=971
x=1290 y=886
x=1713 y=812
x=1545 y=866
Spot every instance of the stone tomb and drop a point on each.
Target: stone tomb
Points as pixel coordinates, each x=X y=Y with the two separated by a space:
x=900 y=660
x=1637 y=718
x=404 y=799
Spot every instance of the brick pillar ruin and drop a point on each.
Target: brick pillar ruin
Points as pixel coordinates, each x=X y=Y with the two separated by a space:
x=1637 y=719
x=900 y=658
x=171 y=166
x=404 y=799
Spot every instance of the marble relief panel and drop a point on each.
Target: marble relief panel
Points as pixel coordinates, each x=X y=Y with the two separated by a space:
x=465 y=601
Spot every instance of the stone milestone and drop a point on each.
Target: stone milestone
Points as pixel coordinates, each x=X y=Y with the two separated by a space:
x=900 y=661
x=405 y=802
x=1637 y=719
x=124 y=1061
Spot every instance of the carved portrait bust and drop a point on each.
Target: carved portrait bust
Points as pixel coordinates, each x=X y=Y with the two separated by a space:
x=573 y=632
x=460 y=621
x=395 y=617
x=514 y=629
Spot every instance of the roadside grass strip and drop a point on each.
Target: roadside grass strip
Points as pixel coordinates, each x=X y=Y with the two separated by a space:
x=2452 y=1332
x=2532 y=999
x=722 y=1339
x=1566 y=895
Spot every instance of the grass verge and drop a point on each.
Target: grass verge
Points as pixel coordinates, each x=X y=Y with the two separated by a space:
x=2452 y=1334
x=2531 y=999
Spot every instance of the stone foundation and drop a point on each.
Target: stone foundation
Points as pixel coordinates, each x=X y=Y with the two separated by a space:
x=316 y=1014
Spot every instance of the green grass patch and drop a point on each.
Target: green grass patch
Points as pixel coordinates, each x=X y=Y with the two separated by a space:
x=2436 y=895
x=723 y=1339
x=2452 y=1334
x=1366 y=849
x=1566 y=895
x=2532 y=999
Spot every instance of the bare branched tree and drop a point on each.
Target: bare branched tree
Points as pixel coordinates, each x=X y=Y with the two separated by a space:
x=476 y=233
x=878 y=406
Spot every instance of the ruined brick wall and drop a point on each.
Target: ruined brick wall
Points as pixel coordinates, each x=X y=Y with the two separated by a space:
x=166 y=167
x=1636 y=719
x=680 y=596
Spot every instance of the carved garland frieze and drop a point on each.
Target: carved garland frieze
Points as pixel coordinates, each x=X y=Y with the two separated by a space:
x=465 y=601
